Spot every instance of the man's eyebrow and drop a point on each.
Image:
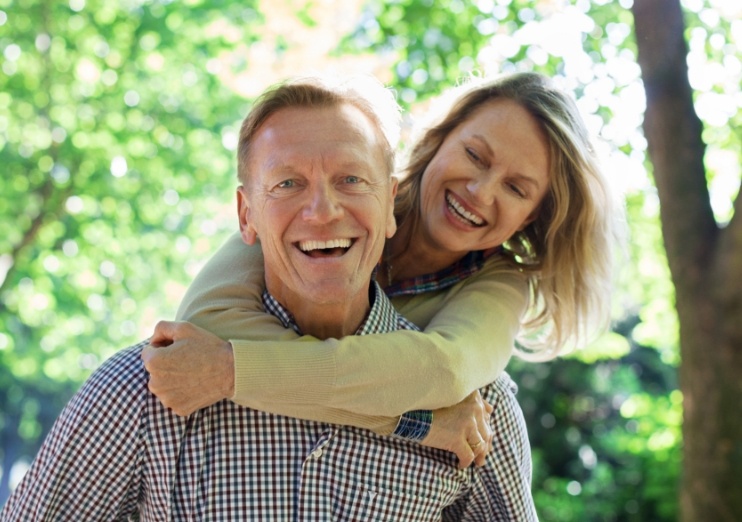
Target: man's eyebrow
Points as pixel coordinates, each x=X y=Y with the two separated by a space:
x=274 y=162
x=281 y=166
x=354 y=164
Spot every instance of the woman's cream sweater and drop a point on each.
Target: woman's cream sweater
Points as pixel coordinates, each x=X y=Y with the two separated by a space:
x=365 y=381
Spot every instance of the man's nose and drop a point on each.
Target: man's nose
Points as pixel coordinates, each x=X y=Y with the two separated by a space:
x=323 y=205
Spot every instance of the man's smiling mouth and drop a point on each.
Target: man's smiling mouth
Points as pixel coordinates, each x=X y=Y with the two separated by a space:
x=330 y=248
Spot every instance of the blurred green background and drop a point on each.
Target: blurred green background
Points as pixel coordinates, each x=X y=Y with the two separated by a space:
x=118 y=127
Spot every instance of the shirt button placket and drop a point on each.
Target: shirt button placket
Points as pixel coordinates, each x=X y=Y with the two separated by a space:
x=319 y=450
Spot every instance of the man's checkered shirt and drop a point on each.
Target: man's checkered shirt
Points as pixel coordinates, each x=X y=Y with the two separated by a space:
x=116 y=453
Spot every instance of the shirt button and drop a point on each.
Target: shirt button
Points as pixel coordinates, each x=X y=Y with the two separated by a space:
x=317 y=453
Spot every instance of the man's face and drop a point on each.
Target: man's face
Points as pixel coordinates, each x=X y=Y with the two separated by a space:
x=320 y=200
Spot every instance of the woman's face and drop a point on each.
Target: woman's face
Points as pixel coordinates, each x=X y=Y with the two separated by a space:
x=486 y=181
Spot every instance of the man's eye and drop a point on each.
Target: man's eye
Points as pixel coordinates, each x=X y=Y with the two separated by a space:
x=286 y=183
x=352 y=179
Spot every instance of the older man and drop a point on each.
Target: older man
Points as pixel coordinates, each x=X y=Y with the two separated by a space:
x=318 y=195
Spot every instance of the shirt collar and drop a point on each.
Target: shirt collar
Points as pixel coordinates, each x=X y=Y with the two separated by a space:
x=452 y=274
x=381 y=318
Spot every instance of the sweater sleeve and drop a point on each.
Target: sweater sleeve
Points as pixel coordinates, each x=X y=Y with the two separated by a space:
x=468 y=339
x=225 y=298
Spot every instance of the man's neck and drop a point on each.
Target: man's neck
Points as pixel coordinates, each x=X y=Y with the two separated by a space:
x=331 y=320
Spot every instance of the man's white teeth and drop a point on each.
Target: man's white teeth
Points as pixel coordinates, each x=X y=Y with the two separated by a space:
x=308 y=246
x=462 y=212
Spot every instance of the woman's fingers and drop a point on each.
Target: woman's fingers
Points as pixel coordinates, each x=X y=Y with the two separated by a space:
x=463 y=429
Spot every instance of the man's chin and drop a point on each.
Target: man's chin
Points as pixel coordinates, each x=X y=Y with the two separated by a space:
x=335 y=289
x=331 y=291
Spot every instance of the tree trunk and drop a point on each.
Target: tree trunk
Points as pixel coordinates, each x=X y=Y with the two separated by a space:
x=706 y=270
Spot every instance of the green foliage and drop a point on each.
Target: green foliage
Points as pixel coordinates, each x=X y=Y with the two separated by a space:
x=437 y=42
x=707 y=33
x=605 y=436
x=116 y=146
x=117 y=132
x=646 y=279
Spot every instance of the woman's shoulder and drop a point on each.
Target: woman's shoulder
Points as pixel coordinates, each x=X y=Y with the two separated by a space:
x=498 y=268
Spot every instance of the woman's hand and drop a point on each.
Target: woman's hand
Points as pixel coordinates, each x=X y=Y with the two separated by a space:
x=189 y=368
x=463 y=429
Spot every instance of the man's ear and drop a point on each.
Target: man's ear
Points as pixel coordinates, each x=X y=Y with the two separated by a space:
x=391 y=223
x=247 y=230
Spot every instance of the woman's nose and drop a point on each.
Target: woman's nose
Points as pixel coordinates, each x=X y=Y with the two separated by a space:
x=483 y=188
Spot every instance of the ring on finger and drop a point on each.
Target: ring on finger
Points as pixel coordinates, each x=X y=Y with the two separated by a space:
x=475 y=446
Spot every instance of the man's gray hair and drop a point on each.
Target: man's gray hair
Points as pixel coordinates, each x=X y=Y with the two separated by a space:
x=364 y=92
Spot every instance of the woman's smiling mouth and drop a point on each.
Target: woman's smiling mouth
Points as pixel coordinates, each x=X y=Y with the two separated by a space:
x=463 y=215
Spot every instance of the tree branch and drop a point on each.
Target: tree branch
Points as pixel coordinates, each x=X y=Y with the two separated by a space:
x=729 y=263
x=46 y=192
x=673 y=132
x=734 y=228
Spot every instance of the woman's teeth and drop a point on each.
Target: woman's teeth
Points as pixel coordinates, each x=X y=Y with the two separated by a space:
x=462 y=213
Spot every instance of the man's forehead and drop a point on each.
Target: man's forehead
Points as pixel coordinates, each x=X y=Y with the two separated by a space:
x=341 y=135
x=294 y=120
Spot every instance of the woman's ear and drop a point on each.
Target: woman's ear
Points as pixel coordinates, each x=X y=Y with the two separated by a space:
x=530 y=219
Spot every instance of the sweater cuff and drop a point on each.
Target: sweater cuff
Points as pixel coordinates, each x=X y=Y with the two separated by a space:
x=414 y=425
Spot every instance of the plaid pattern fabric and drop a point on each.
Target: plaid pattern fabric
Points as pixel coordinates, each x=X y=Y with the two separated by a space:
x=449 y=276
x=381 y=318
x=116 y=453
x=413 y=425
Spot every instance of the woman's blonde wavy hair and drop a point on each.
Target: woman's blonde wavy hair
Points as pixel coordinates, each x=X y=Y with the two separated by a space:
x=566 y=253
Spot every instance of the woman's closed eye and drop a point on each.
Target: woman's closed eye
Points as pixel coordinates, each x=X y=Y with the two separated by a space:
x=517 y=190
x=473 y=155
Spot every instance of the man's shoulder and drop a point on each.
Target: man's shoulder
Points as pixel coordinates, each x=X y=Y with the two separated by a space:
x=124 y=366
x=502 y=386
x=121 y=379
